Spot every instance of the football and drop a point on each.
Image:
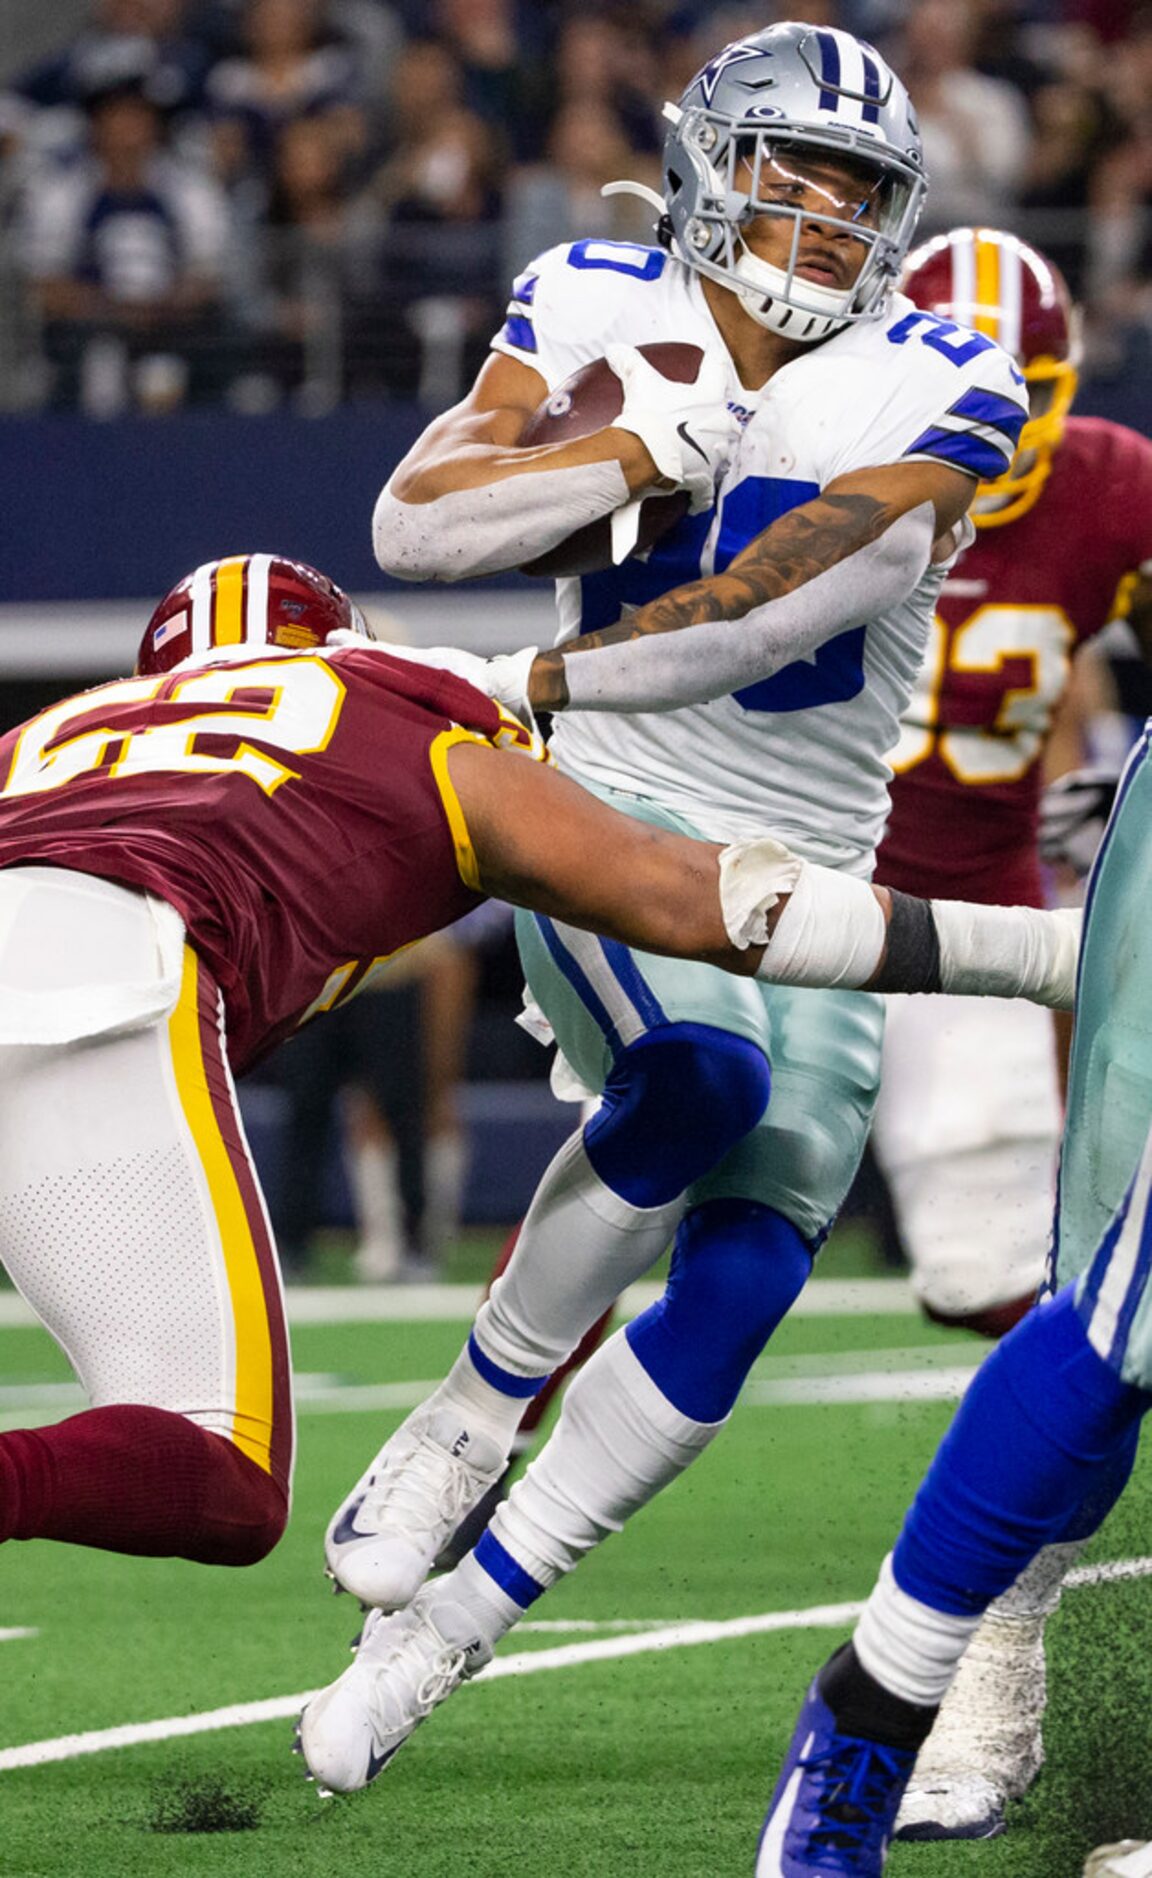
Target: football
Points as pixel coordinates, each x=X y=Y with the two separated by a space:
x=587 y=401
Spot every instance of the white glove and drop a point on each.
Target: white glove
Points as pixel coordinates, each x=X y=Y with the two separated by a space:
x=687 y=430
x=1074 y=811
x=503 y=678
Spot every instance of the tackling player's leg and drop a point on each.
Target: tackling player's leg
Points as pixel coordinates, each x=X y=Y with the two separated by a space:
x=131 y=1220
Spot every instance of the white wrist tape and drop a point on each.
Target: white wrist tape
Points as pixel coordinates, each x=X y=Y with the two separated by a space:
x=831 y=932
x=1009 y=951
x=494 y=527
x=662 y=671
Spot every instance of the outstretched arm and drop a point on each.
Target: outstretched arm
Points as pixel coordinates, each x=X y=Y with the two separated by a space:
x=754 y=908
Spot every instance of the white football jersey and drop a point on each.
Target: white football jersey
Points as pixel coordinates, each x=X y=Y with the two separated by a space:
x=801 y=753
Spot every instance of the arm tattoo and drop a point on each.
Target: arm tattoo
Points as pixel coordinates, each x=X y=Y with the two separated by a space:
x=798 y=546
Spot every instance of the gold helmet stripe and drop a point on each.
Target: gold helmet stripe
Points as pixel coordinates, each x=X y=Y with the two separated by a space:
x=987 y=318
x=229 y=620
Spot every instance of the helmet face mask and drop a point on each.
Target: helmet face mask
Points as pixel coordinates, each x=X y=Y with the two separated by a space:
x=999 y=285
x=239 y=605
x=807 y=127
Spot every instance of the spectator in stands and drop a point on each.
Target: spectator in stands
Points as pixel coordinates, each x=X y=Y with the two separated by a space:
x=144 y=43
x=304 y=263
x=976 y=130
x=607 y=61
x=124 y=251
x=1120 y=238
x=290 y=68
x=503 y=49
x=440 y=193
x=560 y=199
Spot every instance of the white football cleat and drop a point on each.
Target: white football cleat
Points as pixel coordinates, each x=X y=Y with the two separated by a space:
x=951 y=1806
x=986 y=1747
x=1132 y=1858
x=405 y=1666
x=381 y=1542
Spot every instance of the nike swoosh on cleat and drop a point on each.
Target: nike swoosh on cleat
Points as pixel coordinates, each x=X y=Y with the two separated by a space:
x=346 y=1528
x=683 y=431
x=378 y=1762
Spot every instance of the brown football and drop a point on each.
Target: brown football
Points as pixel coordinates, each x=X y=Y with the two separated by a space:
x=587 y=401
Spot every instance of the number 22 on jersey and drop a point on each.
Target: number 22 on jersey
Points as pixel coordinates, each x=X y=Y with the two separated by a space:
x=291 y=705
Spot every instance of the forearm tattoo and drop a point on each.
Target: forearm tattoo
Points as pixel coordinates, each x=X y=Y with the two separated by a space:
x=798 y=546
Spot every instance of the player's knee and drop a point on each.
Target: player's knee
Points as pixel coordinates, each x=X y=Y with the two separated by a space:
x=676 y=1101
x=243 y=1510
x=736 y=1270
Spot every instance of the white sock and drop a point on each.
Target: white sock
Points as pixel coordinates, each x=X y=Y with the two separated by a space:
x=578 y=1249
x=376 y=1204
x=478 y=1402
x=617 y=1442
x=491 y=1609
x=911 y=1649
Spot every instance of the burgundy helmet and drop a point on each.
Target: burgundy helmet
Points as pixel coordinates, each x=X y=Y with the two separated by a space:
x=999 y=285
x=246 y=600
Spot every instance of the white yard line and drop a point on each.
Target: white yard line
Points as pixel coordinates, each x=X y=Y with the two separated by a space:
x=1111 y=1572
x=922 y=1373
x=17 y=1631
x=382 y=1304
x=522 y=1663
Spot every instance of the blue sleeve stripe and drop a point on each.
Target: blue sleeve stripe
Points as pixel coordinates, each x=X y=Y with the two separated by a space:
x=987 y=407
x=524 y=288
x=519 y=331
x=963 y=448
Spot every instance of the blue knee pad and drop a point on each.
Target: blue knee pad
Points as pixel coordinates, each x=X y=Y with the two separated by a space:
x=1037 y=1454
x=676 y=1101
x=736 y=1268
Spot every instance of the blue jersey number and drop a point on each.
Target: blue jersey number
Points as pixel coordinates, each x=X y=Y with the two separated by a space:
x=944 y=336
x=619 y=257
x=836 y=673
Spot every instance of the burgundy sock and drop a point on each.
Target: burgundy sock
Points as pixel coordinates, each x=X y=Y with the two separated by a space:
x=140 y=1480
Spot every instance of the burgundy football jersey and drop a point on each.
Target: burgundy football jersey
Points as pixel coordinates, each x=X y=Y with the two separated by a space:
x=294 y=809
x=1011 y=614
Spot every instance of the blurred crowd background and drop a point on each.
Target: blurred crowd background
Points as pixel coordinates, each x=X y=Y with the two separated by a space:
x=303 y=203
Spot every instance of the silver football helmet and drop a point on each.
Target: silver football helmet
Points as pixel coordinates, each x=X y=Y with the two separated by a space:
x=752 y=130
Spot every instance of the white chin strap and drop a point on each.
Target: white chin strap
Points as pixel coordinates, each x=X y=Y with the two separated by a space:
x=762 y=288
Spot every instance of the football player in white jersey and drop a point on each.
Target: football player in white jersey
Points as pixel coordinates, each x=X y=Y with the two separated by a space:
x=732 y=1117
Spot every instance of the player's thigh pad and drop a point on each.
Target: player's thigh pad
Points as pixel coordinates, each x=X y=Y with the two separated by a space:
x=801 y=1158
x=132 y=1221
x=823 y=1048
x=600 y=997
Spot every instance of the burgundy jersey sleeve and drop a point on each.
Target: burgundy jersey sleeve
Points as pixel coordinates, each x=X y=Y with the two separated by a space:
x=295 y=809
x=1014 y=609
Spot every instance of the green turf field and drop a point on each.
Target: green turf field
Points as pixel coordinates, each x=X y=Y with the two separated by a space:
x=654 y=1765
